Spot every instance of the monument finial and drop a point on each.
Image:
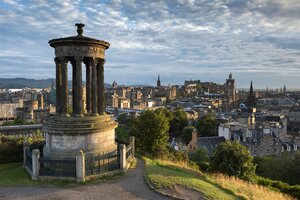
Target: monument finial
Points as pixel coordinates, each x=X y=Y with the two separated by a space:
x=79 y=28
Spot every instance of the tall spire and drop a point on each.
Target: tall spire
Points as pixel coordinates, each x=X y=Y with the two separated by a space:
x=251 y=88
x=251 y=100
x=158 y=81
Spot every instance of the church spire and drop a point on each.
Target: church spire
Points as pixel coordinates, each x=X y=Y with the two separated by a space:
x=158 y=81
x=251 y=88
x=251 y=100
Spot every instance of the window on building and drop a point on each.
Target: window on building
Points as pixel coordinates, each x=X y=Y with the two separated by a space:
x=295 y=147
x=288 y=147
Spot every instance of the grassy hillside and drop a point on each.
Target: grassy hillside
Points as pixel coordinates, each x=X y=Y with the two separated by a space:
x=164 y=174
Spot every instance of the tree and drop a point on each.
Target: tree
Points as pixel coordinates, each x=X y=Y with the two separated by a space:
x=169 y=114
x=151 y=132
x=178 y=123
x=207 y=126
x=124 y=127
x=187 y=134
x=233 y=159
x=285 y=167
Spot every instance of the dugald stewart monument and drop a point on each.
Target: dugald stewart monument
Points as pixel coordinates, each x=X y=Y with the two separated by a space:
x=80 y=144
x=88 y=128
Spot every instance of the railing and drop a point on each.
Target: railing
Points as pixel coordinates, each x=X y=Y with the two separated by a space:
x=102 y=163
x=28 y=158
x=79 y=167
x=63 y=167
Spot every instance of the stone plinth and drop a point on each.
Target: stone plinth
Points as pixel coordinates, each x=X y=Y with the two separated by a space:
x=66 y=136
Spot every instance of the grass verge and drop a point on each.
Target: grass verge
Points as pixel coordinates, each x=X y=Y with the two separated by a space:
x=164 y=174
x=169 y=175
x=13 y=174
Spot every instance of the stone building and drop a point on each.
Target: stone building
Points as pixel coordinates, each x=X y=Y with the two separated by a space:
x=230 y=89
x=207 y=143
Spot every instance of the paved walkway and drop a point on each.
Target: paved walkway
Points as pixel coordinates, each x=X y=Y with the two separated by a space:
x=131 y=186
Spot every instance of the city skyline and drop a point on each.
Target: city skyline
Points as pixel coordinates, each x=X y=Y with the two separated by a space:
x=180 y=40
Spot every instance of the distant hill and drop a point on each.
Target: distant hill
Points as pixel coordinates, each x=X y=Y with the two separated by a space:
x=14 y=83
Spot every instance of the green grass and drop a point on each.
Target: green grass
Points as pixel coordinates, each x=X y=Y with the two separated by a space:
x=169 y=176
x=165 y=174
x=13 y=174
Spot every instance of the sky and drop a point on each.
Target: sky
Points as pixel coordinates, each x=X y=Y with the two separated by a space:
x=205 y=40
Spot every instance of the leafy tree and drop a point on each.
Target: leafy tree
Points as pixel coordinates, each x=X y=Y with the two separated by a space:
x=169 y=114
x=151 y=132
x=233 y=159
x=285 y=167
x=187 y=134
x=207 y=125
x=178 y=123
x=124 y=127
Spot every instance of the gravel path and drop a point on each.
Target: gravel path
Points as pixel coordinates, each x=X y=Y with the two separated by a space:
x=130 y=186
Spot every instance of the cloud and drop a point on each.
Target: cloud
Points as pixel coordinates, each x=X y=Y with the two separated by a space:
x=180 y=39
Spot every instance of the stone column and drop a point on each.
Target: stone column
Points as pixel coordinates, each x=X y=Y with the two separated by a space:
x=80 y=166
x=58 y=86
x=100 y=80
x=77 y=87
x=94 y=87
x=64 y=95
x=88 y=87
x=123 y=163
x=35 y=163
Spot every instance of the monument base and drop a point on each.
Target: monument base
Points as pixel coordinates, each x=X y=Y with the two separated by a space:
x=66 y=136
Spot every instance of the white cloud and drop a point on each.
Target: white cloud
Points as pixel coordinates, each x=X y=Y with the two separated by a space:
x=181 y=39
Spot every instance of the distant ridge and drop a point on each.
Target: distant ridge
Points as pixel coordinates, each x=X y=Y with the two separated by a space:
x=17 y=83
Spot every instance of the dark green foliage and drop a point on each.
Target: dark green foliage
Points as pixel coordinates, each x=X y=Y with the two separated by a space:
x=11 y=148
x=17 y=121
x=177 y=120
x=178 y=123
x=285 y=167
x=201 y=158
x=124 y=127
x=187 y=134
x=233 y=159
x=150 y=130
x=207 y=126
x=294 y=191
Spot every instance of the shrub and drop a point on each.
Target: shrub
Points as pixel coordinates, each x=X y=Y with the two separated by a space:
x=294 y=191
x=233 y=159
x=11 y=147
x=200 y=156
x=285 y=167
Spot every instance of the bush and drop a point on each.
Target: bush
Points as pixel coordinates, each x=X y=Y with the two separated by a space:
x=201 y=158
x=233 y=159
x=294 y=191
x=11 y=147
x=285 y=167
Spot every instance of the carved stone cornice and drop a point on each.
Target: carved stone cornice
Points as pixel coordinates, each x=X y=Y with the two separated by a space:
x=84 y=51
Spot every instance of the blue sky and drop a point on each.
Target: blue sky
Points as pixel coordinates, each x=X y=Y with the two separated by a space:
x=255 y=40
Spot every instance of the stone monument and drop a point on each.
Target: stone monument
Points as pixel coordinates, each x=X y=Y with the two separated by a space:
x=88 y=129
